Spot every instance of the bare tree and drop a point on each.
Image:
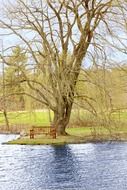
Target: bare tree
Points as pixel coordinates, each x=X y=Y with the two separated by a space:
x=3 y=98
x=58 y=35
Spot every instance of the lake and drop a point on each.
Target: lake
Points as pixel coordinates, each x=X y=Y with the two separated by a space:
x=101 y=166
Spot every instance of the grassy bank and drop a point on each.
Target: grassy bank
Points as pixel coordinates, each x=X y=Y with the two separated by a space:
x=76 y=135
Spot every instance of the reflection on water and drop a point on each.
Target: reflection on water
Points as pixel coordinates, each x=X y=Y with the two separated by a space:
x=64 y=167
x=73 y=167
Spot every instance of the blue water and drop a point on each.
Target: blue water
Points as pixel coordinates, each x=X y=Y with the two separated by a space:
x=72 y=167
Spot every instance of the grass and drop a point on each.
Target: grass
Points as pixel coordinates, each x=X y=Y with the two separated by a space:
x=122 y=116
x=79 y=131
x=30 y=118
x=46 y=141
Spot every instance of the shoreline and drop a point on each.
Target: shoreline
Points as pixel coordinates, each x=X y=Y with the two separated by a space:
x=63 y=140
x=76 y=136
x=9 y=133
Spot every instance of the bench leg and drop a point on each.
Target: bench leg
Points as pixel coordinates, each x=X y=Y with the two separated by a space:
x=32 y=134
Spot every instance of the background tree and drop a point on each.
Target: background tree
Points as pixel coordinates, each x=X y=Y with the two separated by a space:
x=13 y=79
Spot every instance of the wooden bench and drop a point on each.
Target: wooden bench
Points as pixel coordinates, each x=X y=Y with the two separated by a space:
x=46 y=130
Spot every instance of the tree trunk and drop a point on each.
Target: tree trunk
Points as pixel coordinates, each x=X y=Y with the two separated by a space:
x=61 y=119
x=6 y=119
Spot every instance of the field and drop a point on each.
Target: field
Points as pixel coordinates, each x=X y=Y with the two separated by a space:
x=26 y=117
x=42 y=118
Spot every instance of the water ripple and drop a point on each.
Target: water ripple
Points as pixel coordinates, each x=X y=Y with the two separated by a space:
x=71 y=167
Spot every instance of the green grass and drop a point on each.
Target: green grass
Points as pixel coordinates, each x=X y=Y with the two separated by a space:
x=122 y=116
x=43 y=140
x=30 y=118
x=79 y=131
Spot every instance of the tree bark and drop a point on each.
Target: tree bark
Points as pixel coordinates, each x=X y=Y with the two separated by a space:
x=61 y=118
